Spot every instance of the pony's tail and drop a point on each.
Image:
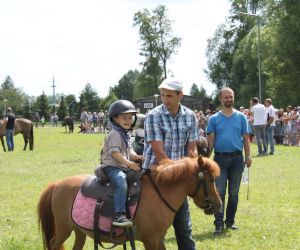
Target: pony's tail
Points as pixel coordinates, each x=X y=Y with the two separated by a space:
x=45 y=216
x=31 y=136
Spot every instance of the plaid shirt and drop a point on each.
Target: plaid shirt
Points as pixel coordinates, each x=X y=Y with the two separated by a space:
x=175 y=132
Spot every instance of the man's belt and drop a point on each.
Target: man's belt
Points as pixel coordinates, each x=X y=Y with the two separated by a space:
x=229 y=153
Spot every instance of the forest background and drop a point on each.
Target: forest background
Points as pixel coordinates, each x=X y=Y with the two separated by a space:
x=232 y=59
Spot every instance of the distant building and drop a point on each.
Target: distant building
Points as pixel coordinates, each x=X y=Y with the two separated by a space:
x=192 y=102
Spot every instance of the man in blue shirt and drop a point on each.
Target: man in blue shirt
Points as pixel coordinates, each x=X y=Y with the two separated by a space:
x=171 y=132
x=228 y=133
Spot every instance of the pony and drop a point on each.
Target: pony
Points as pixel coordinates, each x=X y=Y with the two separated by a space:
x=22 y=126
x=68 y=122
x=161 y=195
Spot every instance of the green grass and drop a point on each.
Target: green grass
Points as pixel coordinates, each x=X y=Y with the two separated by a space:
x=268 y=220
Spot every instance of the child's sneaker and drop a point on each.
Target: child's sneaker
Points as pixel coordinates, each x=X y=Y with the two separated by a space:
x=122 y=221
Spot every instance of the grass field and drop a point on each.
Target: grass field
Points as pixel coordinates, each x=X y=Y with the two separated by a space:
x=270 y=219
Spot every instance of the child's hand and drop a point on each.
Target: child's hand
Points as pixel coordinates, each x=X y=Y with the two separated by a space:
x=139 y=158
x=134 y=166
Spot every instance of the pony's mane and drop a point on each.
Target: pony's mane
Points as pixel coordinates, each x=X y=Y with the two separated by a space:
x=170 y=171
x=211 y=166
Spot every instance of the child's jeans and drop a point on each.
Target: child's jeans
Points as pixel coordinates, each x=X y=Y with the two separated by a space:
x=117 y=177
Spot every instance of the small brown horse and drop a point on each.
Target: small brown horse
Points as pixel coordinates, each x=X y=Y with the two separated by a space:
x=175 y=180
x=68 y=122
x=22 y=126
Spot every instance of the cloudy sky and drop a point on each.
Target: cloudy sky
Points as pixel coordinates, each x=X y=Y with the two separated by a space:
x=94 y=41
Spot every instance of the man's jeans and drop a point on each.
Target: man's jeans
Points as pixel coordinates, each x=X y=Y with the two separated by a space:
x=260 y=134
x=117 y=178
x=231 y=172
x=10 y=139
x=183 y=228
x=270 y=140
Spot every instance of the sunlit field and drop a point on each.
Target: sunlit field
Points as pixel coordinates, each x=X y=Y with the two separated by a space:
x=269 y=219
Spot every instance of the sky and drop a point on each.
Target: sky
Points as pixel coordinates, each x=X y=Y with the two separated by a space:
x=94 y=41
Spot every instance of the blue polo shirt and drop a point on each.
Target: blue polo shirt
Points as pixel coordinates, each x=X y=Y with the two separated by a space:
x=228 y=131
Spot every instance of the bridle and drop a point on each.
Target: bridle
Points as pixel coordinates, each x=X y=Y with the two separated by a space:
x=202 y=182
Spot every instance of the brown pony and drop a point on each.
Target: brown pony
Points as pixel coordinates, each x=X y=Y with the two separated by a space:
x=175 y=180
x=22 y=126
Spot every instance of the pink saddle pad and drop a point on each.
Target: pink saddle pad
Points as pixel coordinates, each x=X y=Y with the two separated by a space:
x=83 y=214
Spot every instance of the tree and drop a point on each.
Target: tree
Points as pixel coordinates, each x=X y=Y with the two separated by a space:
x=108 y=100
x=144 y=87
x=12 y=97
x=124 y=90
x=196 y=92
x=282 y=63
x=233 y=53
x=8 y=84
x=72 y=105
x=62 y=111
x=157 y=42
x=26 y=110
x=167 y=44
x=41 y=105
x=89 y=99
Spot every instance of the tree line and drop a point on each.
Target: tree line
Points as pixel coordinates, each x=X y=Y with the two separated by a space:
x=232 y=52
x=232 y=56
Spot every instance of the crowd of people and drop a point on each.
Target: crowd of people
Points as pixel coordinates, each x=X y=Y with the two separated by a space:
x=271 y=126
x=91 y=122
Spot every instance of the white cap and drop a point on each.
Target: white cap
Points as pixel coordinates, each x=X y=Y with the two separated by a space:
x=171 y=83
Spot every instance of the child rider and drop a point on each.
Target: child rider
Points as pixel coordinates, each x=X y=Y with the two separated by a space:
x=118 y=156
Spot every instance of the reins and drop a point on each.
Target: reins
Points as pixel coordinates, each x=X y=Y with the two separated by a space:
x=202 y=182
x=148 y=173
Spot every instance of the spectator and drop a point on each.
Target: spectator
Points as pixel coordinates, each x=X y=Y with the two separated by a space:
x=228 y=133
x=270 y=126
x=202 y=123
x=298 y=128
x=250 y=122
x=278 y=134
x=259 y=125
x=84 y=118
x=95 y=118
x=55 y=120
x=101 y=121
x=10 y=117
x=36 y=119
x=43 y=121
x=286 y=129
x=294 y=115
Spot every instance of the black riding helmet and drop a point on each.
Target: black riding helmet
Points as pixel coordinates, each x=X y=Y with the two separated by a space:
x=121 y=107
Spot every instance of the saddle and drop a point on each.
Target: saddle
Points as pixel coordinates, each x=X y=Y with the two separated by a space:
x=98 y=187
x=93 y=207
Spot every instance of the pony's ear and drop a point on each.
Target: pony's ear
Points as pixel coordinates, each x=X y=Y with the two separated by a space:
x=200 y=161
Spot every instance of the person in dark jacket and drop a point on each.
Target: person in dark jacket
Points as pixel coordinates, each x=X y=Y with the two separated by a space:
x=10 y=117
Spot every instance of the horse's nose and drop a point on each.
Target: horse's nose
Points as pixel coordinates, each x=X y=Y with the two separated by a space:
x=209 y=208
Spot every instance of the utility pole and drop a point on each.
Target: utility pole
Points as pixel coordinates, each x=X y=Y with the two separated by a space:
x=53 y=97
